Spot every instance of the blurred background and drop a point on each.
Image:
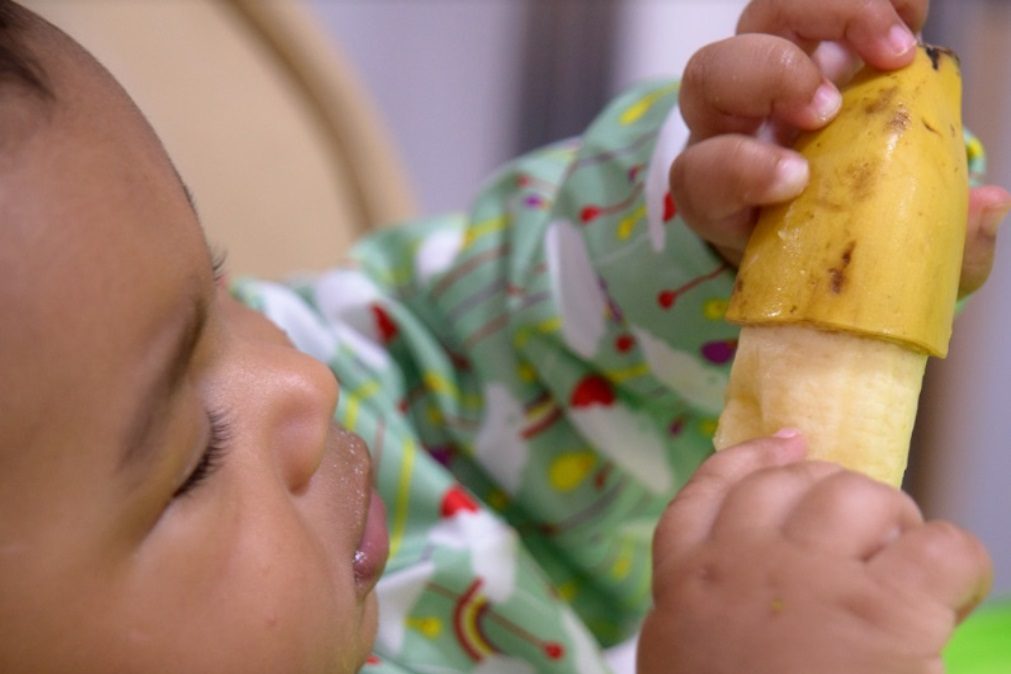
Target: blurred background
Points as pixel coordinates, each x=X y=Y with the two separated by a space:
x=299 y=123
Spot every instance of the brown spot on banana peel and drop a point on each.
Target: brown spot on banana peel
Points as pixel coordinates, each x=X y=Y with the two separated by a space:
x=837 y=275
x=899 y=121
x=830 y=209
x=935 y=56
x=934 y=52
x=883 y=100
x=861 y=176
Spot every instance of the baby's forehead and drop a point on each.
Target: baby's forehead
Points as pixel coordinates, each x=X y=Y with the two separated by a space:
x=96 y=234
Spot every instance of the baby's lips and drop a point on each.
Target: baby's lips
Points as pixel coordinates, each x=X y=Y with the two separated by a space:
x=374 y=548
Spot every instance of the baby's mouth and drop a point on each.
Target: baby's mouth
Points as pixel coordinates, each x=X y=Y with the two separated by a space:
x=374 y=547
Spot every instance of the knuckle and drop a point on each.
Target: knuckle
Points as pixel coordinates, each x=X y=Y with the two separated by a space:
x=849 y=486
x=808 y=473
x=676 y=176
x=744 y=458
x=703 y=488
x=696 y=75
x=875 y=14
x=818 y=470
x=794 y=69
x=751 y=168
x=759 y=14
x=740 y=153
x=855 y=492
x=951 y=545
x=714 y=473
x=756 y=486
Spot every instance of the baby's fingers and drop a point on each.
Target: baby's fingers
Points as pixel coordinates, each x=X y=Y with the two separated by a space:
x=879 y=31
x=718 y=183
x=733 y=85
x=689 y=518
x=937 y=561
x=988 y=207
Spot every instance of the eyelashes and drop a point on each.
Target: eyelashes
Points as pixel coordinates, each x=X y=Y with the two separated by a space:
x=219 y=256
x=213 y=454
x=218 y=424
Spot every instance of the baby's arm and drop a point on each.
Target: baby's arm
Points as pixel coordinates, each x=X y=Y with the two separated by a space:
x=745 y=98
x=768 y=563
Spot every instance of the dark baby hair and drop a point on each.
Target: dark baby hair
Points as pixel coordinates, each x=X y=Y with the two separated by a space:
x=17 y=64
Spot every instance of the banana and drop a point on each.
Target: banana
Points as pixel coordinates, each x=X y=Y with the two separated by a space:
x=845 y=291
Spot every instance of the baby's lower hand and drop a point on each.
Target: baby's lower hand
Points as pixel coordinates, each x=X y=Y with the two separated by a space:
x=768 y=563
x=744 y=100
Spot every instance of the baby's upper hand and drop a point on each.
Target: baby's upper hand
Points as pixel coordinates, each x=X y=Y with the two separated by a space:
x=744 y=100
x=767 y=563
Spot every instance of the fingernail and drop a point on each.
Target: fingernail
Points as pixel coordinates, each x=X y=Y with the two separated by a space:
x=786 y=433
x=900 y=39
x=826 y=102
x=992 y=219
x=791 y=177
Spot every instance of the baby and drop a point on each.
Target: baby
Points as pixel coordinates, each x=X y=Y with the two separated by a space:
x=176 y=495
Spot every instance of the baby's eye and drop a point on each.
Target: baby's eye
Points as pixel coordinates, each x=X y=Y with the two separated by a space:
x=210 y=460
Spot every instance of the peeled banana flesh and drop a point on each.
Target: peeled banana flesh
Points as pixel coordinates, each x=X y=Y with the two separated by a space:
x=844 y=292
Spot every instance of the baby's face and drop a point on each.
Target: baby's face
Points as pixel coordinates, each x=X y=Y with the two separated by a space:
x=174 y=496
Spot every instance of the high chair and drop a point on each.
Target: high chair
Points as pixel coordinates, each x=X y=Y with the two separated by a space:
x=280 y=145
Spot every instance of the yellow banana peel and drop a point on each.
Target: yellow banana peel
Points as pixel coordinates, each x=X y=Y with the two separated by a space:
x=844 y=291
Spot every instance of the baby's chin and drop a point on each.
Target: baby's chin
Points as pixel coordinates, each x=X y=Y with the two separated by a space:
x=365 y=639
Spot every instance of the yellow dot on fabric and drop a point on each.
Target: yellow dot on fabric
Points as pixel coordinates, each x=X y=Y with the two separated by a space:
x=434 y=414
x=715 y=309
x=974 y=148
x=437 y=383
x=634 y=112
x=428 y=626
x=526 y=371
x=567 y=591
x=550 y=325
x=498 y=499
x=707 y=427
x=628 y=223
x=569 y=470
x=638 y=110
x=622 y=565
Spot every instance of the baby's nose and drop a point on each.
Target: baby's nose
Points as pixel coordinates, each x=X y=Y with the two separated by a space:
x=302 y=397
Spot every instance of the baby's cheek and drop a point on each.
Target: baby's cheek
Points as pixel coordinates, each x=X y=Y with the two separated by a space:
x=293 y=561
x=235 y=582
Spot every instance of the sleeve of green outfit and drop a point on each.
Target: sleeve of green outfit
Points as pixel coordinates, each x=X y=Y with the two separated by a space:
x=535 y=379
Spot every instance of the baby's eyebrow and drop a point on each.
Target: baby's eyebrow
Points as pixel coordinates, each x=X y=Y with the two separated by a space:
x=189 y=196
x=137 y=447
